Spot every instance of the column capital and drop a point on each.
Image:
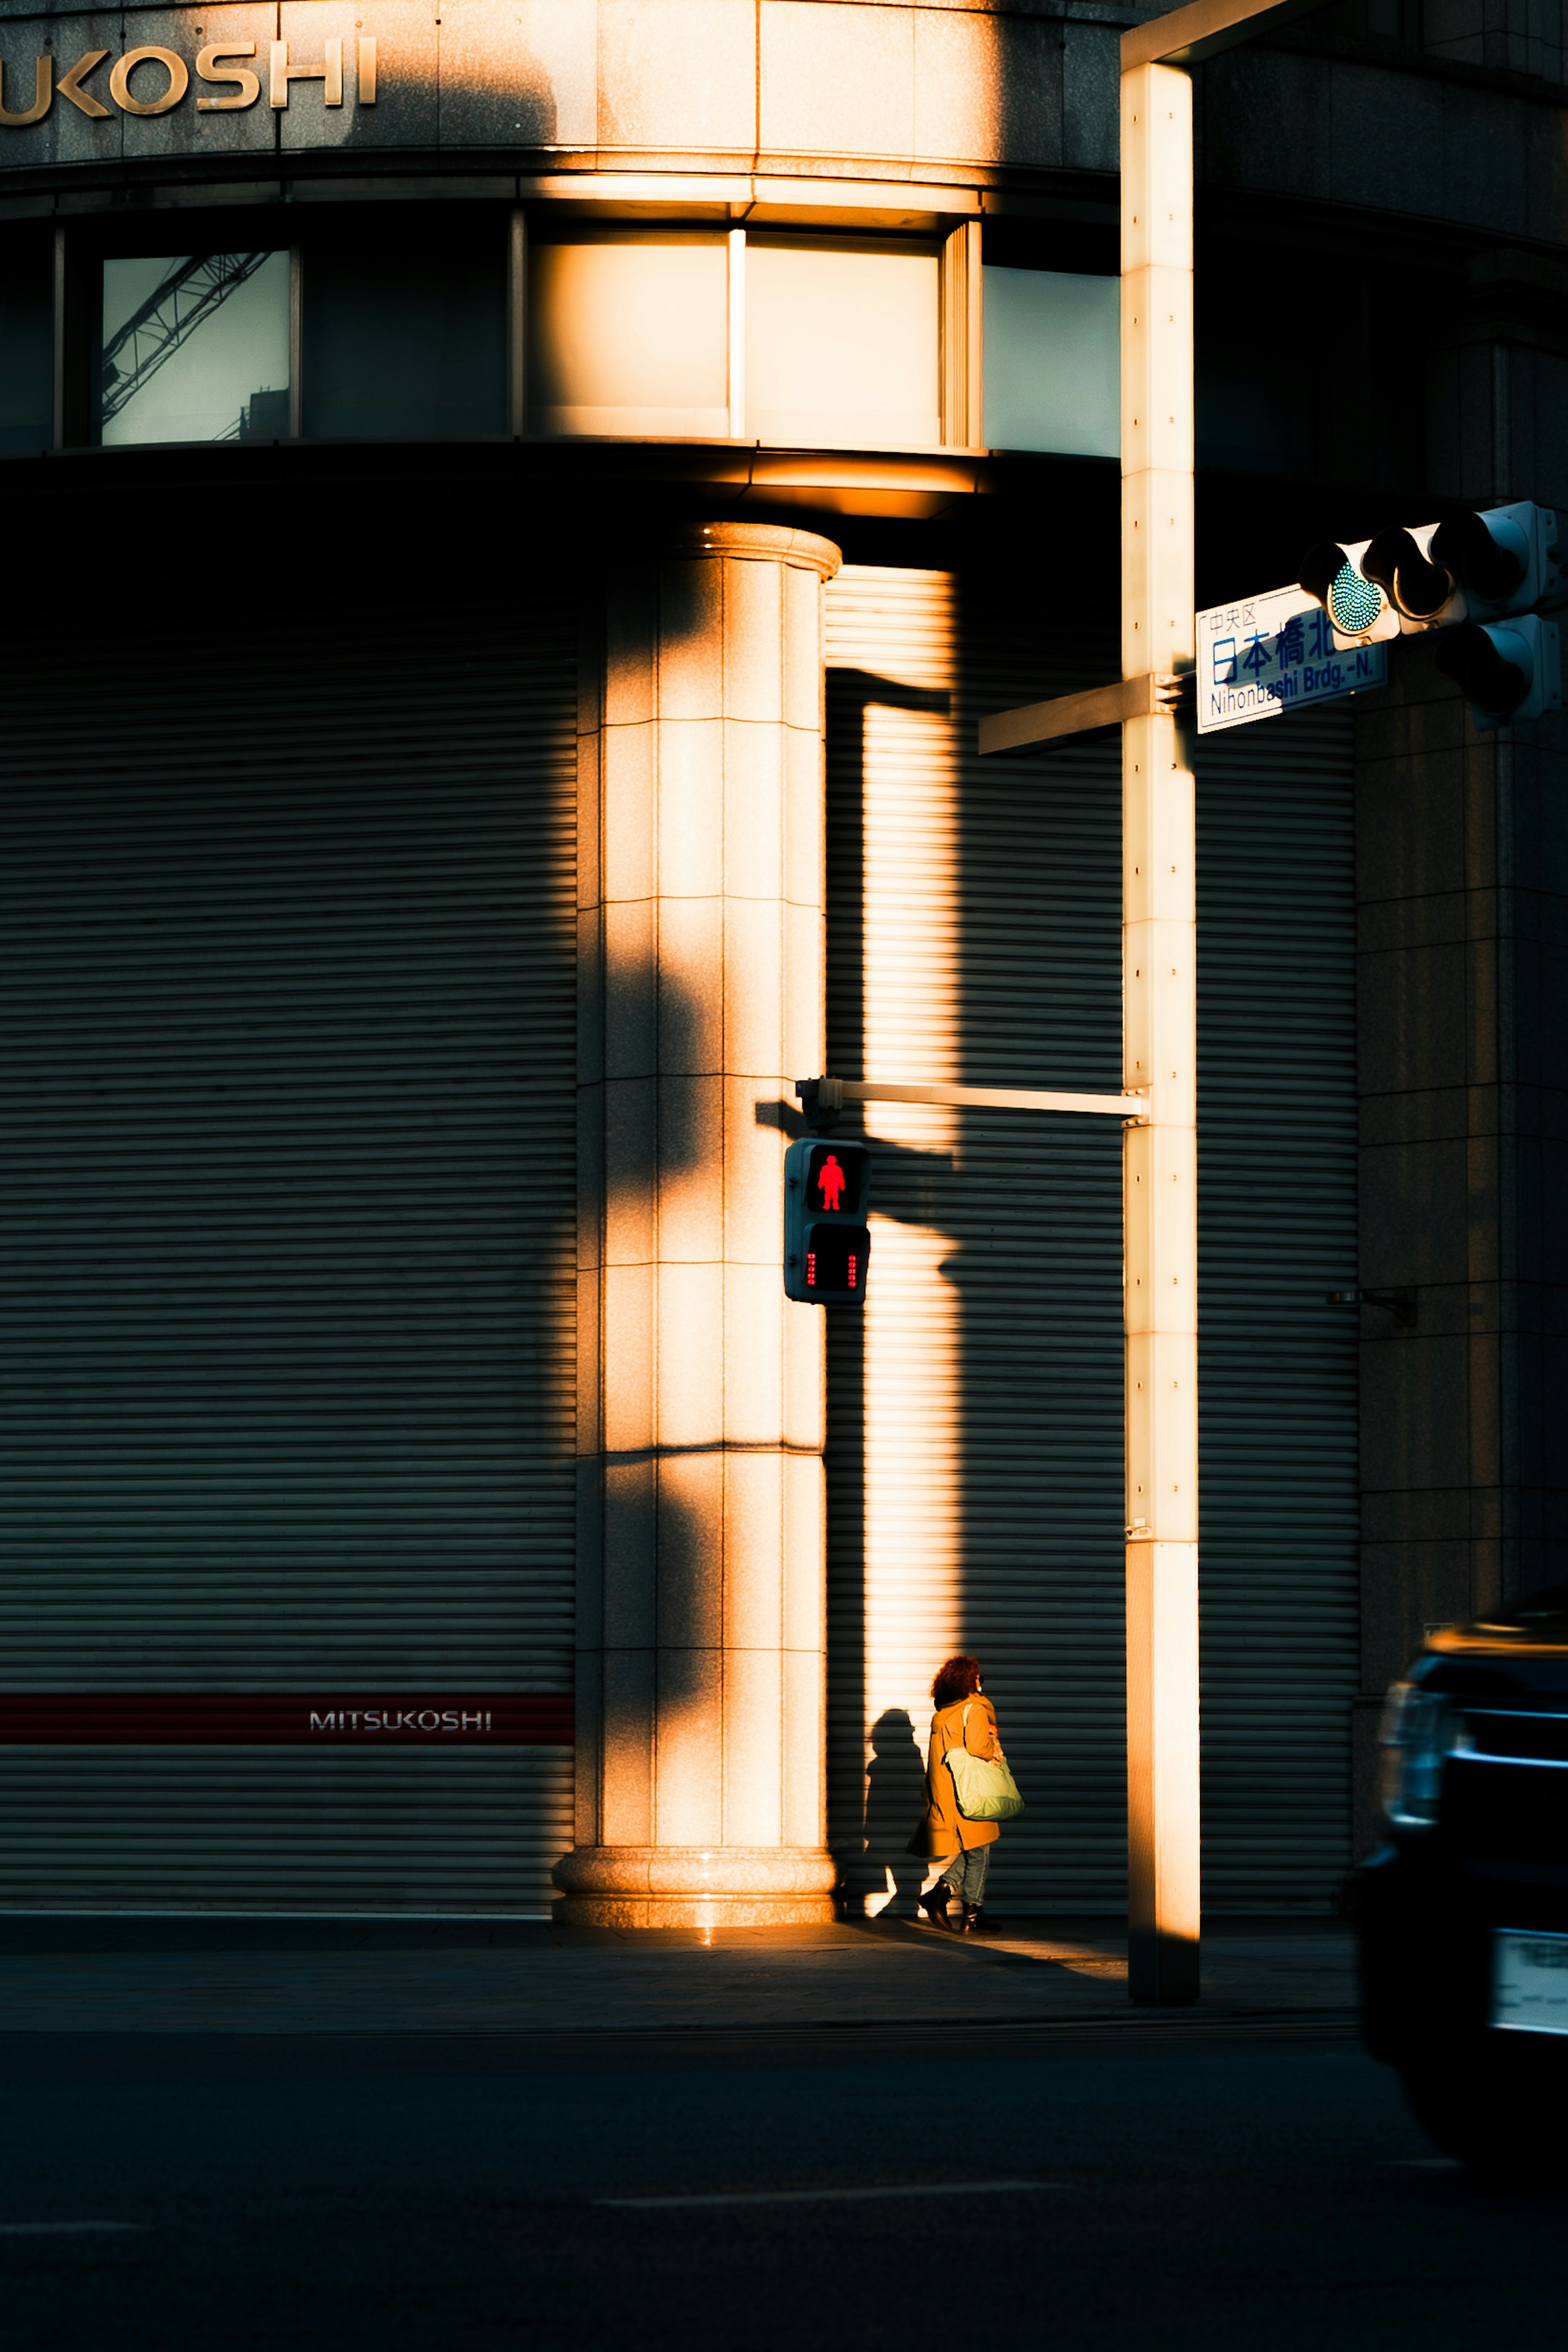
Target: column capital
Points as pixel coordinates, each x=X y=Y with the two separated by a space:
x=762 y=542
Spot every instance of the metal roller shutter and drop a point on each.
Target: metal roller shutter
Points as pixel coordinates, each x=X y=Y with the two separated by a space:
x=1277 y=1230
x=975 y=1418
x=286 y=1308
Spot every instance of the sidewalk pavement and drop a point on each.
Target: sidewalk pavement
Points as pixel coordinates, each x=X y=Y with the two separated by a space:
x=121 y=1975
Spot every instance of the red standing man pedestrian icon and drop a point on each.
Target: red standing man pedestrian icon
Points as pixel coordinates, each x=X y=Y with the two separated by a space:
x=830 y=1181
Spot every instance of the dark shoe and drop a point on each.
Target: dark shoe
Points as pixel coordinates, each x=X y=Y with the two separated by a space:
x=974 y=1920
x=934 y=1905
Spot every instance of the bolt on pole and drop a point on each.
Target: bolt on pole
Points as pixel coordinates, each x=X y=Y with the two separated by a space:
x=1160 y=1040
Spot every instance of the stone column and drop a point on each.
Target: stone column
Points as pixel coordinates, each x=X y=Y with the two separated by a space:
x=1462 y=882
x=1462 y=891
x=701 y=1625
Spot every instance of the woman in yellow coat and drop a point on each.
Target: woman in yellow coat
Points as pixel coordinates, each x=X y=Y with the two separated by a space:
x=965 y=1717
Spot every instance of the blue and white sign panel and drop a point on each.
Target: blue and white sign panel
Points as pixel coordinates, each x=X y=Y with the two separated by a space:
x=1268 y=654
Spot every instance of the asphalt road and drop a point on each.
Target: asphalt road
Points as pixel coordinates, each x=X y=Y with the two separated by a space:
x=1180 y=2189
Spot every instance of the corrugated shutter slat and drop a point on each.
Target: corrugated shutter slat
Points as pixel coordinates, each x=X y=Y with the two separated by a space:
x=975 y=1473
x=286 y=1300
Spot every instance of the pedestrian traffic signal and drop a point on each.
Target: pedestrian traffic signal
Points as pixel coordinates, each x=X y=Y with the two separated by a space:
x=1507 y=670
x=826 y=1244
x=1471 y=566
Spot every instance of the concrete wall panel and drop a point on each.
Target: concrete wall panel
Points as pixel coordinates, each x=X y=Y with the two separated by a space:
x=524 y=74
x=677 y=74
x=988 y=84
x=406 y=113
x=837 y=80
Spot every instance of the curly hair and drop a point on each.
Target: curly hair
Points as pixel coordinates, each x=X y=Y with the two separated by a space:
x=956 y=1679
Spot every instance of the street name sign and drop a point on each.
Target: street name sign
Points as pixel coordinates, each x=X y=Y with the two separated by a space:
x=1264 y=654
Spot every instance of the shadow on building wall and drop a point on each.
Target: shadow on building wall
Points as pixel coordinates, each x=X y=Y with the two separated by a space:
x=871 y=1817
x=974 y=931
x=895 y=1800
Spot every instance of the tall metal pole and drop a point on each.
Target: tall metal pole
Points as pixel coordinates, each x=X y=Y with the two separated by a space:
x=1158 y=971
x=1160 y=1047
x=1160 y=984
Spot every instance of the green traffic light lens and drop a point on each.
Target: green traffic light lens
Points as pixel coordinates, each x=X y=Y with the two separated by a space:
x=1354 y=603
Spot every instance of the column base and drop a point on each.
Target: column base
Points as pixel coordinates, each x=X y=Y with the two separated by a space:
x=695 y=1886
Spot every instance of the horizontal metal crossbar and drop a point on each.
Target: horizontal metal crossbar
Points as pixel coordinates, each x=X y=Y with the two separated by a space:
x=832 y=1094
x=1203 y=28
x=1147 y=696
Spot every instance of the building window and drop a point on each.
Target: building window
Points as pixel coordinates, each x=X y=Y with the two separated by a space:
x=404 y=330
x=842 y=344
x=192 y=347
x=26 y=342
x=630 y=332
x=1052 y=361
x=472 y=322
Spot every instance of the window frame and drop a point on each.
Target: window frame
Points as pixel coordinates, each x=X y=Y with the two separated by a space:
x=642 y=424
x=955 y=249
x=81 y=248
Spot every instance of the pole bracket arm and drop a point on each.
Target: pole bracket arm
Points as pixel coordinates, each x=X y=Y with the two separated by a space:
x=824 y=1096
x=1155 y=695
x=1403 y=1304
x=1203 y=28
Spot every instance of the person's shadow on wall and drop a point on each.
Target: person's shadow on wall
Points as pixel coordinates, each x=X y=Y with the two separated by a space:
x=895 y=1800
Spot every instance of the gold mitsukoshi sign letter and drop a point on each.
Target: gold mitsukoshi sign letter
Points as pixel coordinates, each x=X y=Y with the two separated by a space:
x=217 y=64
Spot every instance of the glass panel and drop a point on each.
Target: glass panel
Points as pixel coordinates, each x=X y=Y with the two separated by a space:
x=1053 y=347
x=843 y=344
x=1258 y=372
x=406 y=331
x=195 y=347
x=630 y=334
x=27 y=343
x=1250 y=420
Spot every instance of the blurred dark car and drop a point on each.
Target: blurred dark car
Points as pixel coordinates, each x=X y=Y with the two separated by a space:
x=1464 y=1911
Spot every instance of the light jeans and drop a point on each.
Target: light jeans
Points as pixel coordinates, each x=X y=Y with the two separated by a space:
x=965 y=1873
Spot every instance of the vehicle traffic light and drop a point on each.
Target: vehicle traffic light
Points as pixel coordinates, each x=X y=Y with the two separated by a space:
x=1472 y=567
x=1360 y=610
x=1507 y=670
x=827 y=1246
